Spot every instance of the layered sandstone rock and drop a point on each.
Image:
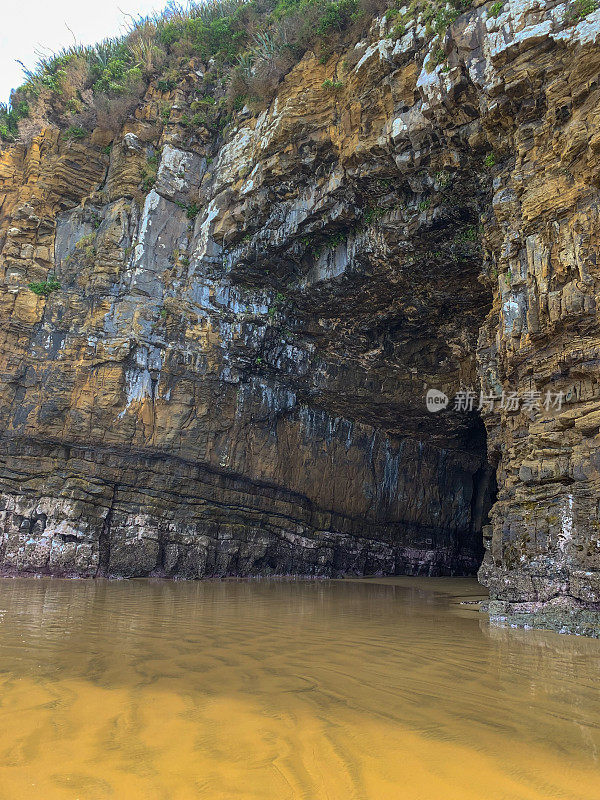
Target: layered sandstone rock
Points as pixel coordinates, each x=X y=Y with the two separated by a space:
x=231 y=377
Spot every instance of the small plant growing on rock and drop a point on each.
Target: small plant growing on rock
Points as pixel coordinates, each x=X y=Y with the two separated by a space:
x=495 y=10
x=45 y=288
x=191 y=211
x=86 y=246
x=437 y=57
x=443 y=179
x=373 y=214
x=149 y=171
x=490 y=160
x=74 y=132
x=333 y=86
x=167 y=82
x=336 y=240
x=443 y=18
x=424 y=205
x=199 y=120
x=279 y=299
x=580 y=9
x=74 y=106
x=85 y=241
x=330 y=243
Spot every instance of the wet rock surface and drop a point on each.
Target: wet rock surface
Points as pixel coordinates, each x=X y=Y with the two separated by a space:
x=231 y=378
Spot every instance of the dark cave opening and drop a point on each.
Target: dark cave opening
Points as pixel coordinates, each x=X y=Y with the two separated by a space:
x=484 y=490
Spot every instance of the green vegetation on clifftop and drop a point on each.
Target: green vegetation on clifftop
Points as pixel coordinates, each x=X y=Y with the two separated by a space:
x=251 y=42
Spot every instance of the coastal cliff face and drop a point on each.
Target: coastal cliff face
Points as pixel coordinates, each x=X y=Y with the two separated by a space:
x=225 y=370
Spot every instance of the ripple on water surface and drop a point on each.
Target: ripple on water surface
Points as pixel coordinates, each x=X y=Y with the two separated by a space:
x=302 y=689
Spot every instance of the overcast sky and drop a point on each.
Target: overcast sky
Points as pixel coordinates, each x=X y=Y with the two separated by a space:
x=30 y=25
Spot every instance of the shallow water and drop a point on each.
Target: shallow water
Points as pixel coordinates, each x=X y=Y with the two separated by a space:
x=271 y=690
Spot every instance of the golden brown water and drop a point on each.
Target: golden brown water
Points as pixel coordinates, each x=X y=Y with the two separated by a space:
x=273 y=690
